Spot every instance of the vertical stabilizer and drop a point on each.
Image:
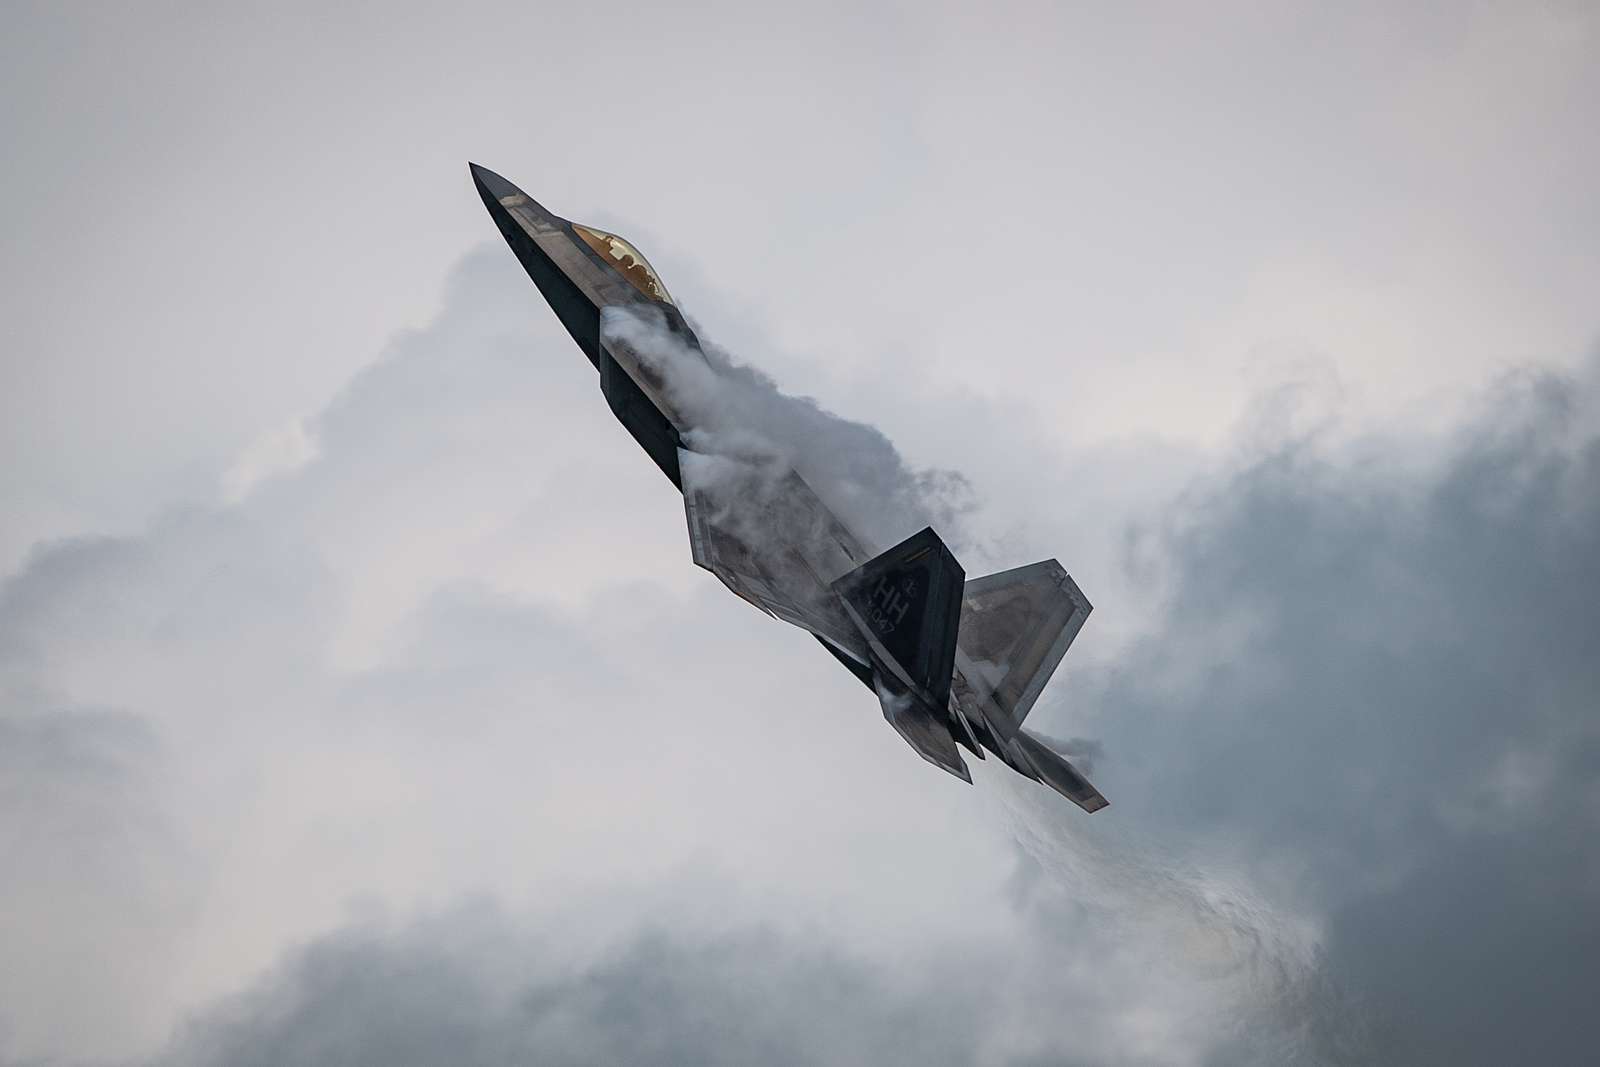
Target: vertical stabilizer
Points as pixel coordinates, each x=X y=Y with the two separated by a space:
x=906 y=604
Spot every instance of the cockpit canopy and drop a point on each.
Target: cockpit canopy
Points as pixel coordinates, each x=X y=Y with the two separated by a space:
x=628 y=261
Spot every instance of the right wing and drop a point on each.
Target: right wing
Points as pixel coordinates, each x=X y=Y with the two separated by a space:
x=1015 y=627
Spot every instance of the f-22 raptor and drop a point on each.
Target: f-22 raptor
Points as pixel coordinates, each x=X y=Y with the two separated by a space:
x=955 y=663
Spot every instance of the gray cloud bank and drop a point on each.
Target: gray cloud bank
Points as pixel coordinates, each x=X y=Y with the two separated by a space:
x=1379 y=684
x=460 y=652
x=471 y=987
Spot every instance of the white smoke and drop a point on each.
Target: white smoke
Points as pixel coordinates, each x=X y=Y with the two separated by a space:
x=735 y=410
x=1242 y=970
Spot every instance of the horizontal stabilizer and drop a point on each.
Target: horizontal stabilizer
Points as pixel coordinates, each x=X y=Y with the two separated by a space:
x=922 y=728
x=1057 y=772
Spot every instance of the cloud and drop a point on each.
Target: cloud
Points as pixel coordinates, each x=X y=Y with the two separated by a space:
x=274 y=454
x=459 y=649
x=1375 y=694
x=472 y=987
x=459 y=653
x=85 y=833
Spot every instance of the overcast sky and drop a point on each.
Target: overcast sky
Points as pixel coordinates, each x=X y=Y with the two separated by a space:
x=359 y=702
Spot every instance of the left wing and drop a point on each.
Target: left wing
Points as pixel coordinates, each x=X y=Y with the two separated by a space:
x=770 y=539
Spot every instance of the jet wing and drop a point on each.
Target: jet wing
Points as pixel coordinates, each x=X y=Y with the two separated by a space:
x=771 y=540
x=1015 y=627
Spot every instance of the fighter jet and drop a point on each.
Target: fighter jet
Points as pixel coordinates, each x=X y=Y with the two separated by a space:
x=955 y=663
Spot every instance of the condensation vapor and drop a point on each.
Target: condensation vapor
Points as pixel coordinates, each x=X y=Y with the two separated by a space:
x=1246 y=975
x=736 y=410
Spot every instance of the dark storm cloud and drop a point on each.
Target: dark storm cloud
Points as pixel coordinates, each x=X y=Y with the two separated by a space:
x=1381 y=689
x=470 y=987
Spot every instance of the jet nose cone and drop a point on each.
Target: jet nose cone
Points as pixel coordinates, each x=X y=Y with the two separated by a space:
x=491 y=184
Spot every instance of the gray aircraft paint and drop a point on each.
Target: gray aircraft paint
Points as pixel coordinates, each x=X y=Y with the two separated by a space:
x=771 y=537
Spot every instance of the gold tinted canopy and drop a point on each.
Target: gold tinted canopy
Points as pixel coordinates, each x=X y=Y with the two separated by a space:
x=628 y=260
